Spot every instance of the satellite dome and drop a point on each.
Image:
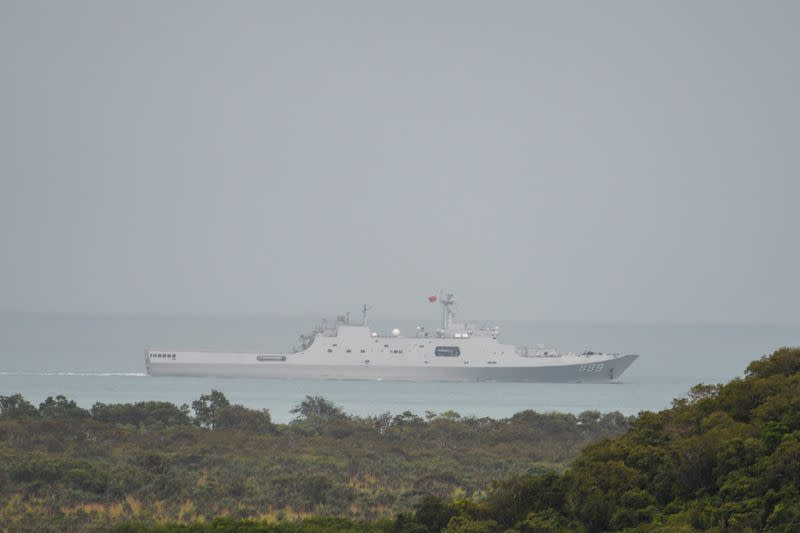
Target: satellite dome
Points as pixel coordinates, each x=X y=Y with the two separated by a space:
x=396 y=332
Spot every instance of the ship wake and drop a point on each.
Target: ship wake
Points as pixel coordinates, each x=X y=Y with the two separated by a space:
x=80 y=374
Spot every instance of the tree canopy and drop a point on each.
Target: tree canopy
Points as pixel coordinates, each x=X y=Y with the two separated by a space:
x=723 y=458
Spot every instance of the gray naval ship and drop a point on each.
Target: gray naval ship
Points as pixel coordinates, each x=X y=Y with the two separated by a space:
x=345 y=351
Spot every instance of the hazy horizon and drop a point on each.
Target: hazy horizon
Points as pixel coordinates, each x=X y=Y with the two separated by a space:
x=387 y=316
x=626 y=162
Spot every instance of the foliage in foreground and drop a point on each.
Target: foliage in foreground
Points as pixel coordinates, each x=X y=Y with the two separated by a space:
x=63 y=467
x=724 y=459
x=227 y=525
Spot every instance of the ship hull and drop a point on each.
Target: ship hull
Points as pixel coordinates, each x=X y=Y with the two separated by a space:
x=597 y=372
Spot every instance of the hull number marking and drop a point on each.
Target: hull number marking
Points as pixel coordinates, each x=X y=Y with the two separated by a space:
x=591 y=367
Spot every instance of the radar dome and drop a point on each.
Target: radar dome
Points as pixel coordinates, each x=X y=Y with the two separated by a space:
x=396 y=332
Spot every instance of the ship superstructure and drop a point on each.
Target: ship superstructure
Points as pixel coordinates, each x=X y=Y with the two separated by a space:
x=454 y=352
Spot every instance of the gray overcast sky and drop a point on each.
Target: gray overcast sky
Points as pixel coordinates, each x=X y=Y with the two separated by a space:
x=563 y=160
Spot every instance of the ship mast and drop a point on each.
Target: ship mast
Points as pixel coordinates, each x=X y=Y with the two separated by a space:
x=447 y=300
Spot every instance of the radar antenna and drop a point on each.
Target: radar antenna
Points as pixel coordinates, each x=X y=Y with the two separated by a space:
x=364 y=310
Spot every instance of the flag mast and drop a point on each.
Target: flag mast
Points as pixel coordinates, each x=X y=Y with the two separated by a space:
x=447 y=314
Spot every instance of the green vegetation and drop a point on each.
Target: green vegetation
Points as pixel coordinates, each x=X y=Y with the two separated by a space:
x=63 y=467
x=726 y=458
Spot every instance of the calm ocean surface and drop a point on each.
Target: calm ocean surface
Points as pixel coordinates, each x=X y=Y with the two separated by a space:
x=101 y=359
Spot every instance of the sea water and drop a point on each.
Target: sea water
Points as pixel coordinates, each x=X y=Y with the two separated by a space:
x=101 y=359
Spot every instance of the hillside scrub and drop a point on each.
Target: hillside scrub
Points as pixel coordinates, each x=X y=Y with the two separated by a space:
x=63 y=467
x=722 y=459
x=726 y=458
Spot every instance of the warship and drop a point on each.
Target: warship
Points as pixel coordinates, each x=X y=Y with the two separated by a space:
x=344 y=351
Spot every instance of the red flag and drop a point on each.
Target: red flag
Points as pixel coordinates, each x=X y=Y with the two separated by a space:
x=432 y=298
